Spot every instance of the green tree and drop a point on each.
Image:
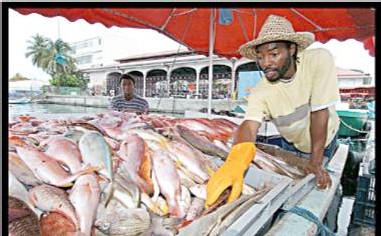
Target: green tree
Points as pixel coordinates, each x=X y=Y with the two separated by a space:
x=53 y=57
x=37 y=49
x=18 y=77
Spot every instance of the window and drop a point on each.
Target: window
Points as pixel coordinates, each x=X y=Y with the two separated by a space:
x=84 y=59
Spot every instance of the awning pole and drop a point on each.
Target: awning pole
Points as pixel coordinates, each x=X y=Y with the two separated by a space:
x=211 y=42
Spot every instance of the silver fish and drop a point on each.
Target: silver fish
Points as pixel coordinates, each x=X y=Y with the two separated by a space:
x=118 y=220
x=96 y=152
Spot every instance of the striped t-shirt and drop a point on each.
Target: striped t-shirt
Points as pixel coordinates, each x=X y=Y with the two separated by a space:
x=289 y=105
x=119 y=103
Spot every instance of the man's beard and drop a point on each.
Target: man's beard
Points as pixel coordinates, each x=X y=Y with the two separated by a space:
x=281 y=71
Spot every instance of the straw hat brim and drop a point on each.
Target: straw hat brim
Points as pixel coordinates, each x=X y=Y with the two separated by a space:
x=302 y=40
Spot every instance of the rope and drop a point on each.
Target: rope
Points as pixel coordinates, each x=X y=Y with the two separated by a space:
x=321 y=228
x=350 y=127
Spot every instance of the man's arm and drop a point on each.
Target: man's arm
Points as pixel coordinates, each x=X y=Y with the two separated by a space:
x=247 y=132
x=319 y=124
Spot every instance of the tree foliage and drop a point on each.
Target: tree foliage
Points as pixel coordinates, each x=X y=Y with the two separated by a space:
x=54 y=58
x=18 y=77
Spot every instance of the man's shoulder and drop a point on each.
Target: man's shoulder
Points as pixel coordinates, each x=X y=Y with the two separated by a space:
x=117 y=97
x=315 y=52
x=138 y=97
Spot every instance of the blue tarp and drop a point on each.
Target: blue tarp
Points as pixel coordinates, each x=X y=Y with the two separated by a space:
x=247 y=80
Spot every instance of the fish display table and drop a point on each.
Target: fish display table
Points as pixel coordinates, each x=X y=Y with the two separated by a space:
x=315 y=201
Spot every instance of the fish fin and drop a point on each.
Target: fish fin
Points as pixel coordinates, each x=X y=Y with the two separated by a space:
x=110 y=193
x=209 y=170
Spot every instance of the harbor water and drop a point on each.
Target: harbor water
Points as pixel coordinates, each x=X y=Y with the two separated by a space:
x=357 y=151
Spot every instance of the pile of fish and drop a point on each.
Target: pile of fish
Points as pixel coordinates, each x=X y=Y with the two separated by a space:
x=113 y=173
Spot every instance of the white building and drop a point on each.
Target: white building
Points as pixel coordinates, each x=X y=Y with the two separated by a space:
x=352 y=78
x=98 y=58
x=99 y=51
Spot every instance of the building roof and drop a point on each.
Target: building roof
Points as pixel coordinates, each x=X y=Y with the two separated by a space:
x=157 y=55
x=349 y=72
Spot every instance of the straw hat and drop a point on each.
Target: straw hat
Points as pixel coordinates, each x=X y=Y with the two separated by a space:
x=277 y=28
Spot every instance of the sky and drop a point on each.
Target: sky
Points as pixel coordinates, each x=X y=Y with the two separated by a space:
x=349 y=54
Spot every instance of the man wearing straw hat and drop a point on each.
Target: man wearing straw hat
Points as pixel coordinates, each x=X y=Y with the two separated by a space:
x=298 y=94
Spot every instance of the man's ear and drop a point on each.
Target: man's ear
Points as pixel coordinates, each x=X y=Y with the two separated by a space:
x=292 y=49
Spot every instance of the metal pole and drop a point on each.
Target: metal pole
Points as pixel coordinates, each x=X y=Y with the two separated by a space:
x=211 y=42
x=233 y=60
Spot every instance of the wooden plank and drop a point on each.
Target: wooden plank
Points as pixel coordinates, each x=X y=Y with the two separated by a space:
x=316 y=201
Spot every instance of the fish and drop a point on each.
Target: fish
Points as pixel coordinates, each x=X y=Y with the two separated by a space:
x=119 y=220
x=193 y=165
x=18 y=190
x=21 y=170
x=134 y=151
x=126 y=191
x=66 y=151
x=23 y=128
x=17 y=209
x=196 y=208
x=85 y=196
x=221 y=145
x=52 y=199
x=97 y=153
x=201 y=143
x=150 y=135
x=24 y=226
x=56 y=224
x=168 y=181
x=199 y=190
x=162 y=226
x=270 y=163
x=47 y=169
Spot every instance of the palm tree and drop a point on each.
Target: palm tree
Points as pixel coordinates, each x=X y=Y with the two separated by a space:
x=52 y=57
x=37 y=49
x=57 y=59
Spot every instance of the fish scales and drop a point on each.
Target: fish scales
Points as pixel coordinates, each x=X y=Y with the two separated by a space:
x=49 y=198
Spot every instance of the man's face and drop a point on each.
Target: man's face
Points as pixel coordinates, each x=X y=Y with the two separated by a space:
x=275 y=60
x=127 y=87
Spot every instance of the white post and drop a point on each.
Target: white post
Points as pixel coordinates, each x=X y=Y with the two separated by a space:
x=144 y=83
x=198 y=71
x=168 y=79
x=211 y=42
x=233 y=60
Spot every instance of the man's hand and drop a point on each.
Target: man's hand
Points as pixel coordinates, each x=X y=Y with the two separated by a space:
x=323 y=180
x=230 y=174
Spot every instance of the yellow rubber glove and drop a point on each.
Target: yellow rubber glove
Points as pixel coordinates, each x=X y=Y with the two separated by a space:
x=230 y=173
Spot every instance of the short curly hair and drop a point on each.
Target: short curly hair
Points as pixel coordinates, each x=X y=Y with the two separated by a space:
x=127 y=76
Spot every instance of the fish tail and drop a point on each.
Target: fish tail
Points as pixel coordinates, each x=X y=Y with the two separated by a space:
x=151 y=205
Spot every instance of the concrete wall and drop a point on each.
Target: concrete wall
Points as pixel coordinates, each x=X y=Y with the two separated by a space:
x=155 y=104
